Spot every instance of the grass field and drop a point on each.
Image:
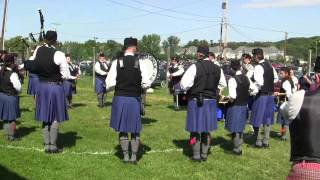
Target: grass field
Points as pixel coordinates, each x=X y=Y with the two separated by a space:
x=91 y=147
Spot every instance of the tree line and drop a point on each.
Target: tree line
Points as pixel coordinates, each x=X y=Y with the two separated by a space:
x=151 y=43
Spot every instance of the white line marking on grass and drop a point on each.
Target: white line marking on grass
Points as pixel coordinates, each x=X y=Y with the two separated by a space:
x=87 y=153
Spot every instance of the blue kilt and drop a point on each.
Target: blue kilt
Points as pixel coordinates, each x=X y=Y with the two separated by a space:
x=202 y=119
x=280 y=119
x=125 y=114
x=236 y=118
x=67 y=86
x=100 y=85
x=250 y=102
x=51 y=103
x=9 y=107
x=33 y=84
x=262 y=111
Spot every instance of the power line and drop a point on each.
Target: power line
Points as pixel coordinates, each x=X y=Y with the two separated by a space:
x=166 y=15
x=240 y=33
x=174 y=11
x=271 y=30
x=132 y=17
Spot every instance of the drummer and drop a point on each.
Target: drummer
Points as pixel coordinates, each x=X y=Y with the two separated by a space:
x=175 y=73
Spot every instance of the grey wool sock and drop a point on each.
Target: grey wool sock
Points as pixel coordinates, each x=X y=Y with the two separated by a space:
x=259 y=137
x=54 y=131
x=6 y=127
x=205 y=144
x=135 y=143
x=267 y=129
x=237 y=142
x=100 y=99
x=196 y=150
x=46 y=137
x=124 y=143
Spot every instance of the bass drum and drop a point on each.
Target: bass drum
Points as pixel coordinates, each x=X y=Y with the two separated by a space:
x=152 y=72
x=151 y=64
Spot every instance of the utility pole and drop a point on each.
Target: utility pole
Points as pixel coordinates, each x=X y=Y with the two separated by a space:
x=285 y=45
x=225 y=25
x=220 y=41
x=310 y=58
x=317 y=41
x=168 y=64
x=93 y=70
x=4 y=22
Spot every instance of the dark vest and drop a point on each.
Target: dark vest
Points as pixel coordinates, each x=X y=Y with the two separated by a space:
x=103 y=69
x=128 y=81
x=175 y=79
x=305 y=131
x=268 y=78
x=206 y=81
x=73 y=70
x=5 y=84
x=285 y=98
x=45 y=67
x=243 y=84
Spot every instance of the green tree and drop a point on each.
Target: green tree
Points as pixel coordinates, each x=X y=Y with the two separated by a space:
x=173 y=44
x=151 y=44
x=197 y=42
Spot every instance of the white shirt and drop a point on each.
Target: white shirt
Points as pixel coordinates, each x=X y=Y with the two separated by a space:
x=295 y=81
x=258 y=75
x=112 y=75
x=14 y=79
x=232 y=85
x=177 y=73
x=216 y=62
x=99 y=70
x=188 y=78
x=292 y=107
x=287 y=88
x=59 y=59
x=250 y=70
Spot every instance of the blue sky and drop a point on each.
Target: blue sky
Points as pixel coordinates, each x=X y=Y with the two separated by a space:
x=80 y=20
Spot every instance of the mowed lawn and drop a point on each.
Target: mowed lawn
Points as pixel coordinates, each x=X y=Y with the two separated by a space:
x=91 y=147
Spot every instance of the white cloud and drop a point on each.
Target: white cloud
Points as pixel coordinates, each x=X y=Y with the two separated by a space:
x=280 y=3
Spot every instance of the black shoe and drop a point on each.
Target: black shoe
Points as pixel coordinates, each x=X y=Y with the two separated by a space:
x=239 y=153
x=133 y=162
x=196 y=159
x=204 y=159
x=265 y=145
x=100 y=106
x=55 y=151
x=10 y=138
x=47 y=151
x=283 y=139
x=258 y=146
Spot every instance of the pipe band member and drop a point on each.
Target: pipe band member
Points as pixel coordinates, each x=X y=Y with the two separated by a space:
x=287 y=89
x=129 y=76
x=237 y=111
x=212 y=57
x=303 y=113
x=101 y=68
x=33 y=81
x=175 y=73
x=69 y=84
x=202 y=80
x=51 y=67
x=10 y=87
x=262 y=109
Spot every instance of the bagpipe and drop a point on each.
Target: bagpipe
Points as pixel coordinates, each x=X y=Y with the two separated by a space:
x=29 y=65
